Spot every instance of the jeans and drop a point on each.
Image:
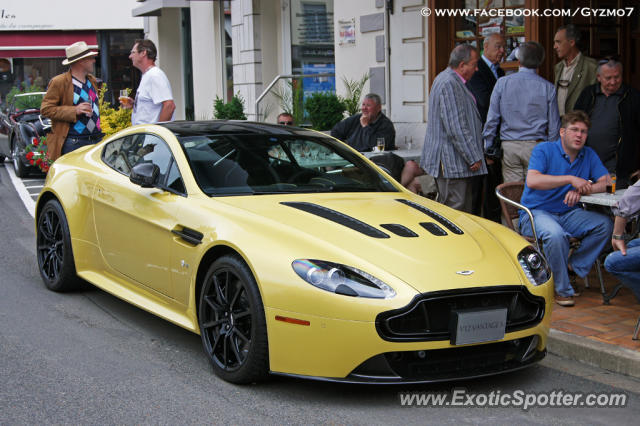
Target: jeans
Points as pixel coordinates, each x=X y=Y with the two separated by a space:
x=71 y=144
x=593 y=229
x=626 y=268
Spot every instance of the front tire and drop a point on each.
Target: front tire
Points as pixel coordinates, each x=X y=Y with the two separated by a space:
x=232 y=322
x=55 y=257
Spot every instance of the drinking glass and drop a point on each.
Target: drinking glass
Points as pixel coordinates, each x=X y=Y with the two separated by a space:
x=380 y=144
x=124 y=96
x=611 y=184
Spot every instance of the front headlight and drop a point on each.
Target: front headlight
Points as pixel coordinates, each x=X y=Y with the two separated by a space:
x=534 y=265
x=341 y=279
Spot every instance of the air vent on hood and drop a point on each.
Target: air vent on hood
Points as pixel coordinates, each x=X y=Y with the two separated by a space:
x=398 y=229
x=433 y=215
x=434 y=228
x=337 y=217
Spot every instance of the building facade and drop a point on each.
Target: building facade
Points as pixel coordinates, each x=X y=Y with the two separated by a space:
x=34 y=34
x=220 y=48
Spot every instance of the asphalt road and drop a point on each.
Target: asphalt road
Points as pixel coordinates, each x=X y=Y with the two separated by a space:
x=89 y=358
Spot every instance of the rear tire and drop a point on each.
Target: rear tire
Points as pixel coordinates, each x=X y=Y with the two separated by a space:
x=55 y=257
x=232 y=322
x=20 y=169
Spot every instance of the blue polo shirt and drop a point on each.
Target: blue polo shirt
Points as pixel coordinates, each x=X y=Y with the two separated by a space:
x=550 y=159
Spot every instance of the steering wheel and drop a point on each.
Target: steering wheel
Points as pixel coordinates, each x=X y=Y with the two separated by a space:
x=296 y=177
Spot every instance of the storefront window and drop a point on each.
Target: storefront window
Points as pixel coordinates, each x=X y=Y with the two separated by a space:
x=473 y=29
x=228 y=51
x=123 y=74
x=312 y=48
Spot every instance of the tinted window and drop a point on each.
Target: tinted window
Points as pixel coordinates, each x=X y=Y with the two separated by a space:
x=266 y=164
x=123 y=154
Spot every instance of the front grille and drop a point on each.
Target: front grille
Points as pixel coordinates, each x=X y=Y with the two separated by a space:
x=451 y=363
x=427 y=317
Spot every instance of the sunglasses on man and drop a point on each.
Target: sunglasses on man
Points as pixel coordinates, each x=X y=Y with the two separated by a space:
x=286 y=122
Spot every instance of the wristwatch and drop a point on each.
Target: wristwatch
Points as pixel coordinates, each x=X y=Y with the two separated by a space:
x=617 y=237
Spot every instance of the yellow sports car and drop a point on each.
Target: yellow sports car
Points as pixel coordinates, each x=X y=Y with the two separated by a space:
x=290 y=253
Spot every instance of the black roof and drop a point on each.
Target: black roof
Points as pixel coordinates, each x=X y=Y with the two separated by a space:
x=212 y=127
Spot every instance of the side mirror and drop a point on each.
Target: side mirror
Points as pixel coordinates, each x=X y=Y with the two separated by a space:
x=145 y=175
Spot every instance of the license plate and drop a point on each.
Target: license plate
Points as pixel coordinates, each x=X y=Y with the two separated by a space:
x=477 y=325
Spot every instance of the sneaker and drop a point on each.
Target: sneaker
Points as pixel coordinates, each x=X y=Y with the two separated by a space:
x=565 y=301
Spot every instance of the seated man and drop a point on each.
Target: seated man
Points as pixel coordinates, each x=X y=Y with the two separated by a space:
x=559 y=173
x=362 y=130
x=285 y=119
x=624 y=262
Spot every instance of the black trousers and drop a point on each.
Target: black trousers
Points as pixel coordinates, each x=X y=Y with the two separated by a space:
x=484 y=201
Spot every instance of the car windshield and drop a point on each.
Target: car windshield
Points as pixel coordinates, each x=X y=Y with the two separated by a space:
x=240 y=164
x=26 y=101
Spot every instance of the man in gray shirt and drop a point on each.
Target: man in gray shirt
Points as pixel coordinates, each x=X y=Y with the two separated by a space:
x=614 y=109
x=524 y=107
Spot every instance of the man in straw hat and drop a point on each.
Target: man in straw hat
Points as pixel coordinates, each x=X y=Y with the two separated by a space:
x=71 y=103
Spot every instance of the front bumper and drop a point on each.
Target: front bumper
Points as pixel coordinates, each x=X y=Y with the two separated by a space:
x=354 y=351
x=440 y=365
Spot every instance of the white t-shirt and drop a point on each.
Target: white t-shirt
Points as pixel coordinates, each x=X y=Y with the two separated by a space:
x=153 y=90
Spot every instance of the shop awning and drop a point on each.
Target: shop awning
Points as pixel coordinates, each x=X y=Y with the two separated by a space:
x=154 y=7
x=42 y=44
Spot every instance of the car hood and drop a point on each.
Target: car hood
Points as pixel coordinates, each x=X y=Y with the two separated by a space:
x=458 y=252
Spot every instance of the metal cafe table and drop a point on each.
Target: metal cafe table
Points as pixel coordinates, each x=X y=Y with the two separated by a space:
x=607 y=200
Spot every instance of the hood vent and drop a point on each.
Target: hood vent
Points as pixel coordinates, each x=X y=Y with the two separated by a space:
x=337 y=217
x=434 y=229
x=399 y=230
x=433 y=215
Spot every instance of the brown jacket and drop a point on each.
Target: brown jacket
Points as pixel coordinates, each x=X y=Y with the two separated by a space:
x=58 y=106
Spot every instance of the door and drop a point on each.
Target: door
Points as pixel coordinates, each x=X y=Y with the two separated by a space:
x=134 y=224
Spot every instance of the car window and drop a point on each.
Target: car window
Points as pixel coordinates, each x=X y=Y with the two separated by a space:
x=114 y=155
x=236 y=164
x=125 y=153
x=174 y=179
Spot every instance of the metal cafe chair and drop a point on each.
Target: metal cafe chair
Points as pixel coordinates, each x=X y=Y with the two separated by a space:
x=509 y=194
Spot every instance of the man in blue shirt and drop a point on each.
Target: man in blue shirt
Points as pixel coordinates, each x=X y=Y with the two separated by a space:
x=559 y=173
x=524 y=109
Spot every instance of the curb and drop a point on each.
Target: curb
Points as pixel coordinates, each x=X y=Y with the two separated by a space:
x=598 y=354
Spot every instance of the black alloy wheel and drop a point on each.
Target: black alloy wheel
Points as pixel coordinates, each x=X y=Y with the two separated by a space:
x=55 y=258
x=18 y=166
x=232 y=322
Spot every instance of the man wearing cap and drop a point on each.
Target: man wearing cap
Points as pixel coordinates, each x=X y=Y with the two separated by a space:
x=71 y=102
x=154 y=100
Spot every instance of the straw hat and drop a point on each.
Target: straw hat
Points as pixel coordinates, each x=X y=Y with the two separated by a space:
x=75 y=52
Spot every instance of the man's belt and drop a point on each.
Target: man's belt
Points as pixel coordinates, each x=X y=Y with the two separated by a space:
x=93 y=137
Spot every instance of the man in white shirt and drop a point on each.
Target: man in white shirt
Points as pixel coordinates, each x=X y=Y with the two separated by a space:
x=153 y=102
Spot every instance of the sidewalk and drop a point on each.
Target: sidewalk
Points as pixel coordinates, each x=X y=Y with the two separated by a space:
x=598 y=334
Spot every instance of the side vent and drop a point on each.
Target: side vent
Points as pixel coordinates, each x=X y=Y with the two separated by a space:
x=433 y=215
x=189 y=235
x=434 y=229
x=338 y=218
x=399 y=230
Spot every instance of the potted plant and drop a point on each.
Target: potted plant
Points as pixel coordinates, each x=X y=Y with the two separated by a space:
x=232 y=110
x=324 y=110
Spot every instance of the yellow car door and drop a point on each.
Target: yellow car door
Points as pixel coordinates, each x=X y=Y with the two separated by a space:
x=134 y=224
